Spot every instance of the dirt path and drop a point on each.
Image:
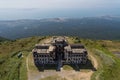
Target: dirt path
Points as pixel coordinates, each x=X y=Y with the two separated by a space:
x=34 y=74
x=27 y=67
x=48 y=40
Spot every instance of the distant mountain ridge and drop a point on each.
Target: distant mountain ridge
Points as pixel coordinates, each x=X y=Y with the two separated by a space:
x=105 y=27
x=2 y=39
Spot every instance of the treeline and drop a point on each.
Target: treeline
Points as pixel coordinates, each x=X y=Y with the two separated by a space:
x=92 y=28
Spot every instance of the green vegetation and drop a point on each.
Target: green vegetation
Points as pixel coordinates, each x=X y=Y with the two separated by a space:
x=109 y=64
x=88 y=27
x=12 y=67
x=67 y=67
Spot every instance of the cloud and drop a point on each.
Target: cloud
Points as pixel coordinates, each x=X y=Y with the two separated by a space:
x=32 y=9
x=58 y=4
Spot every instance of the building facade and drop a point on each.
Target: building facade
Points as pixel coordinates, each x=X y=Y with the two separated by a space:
x=59 y=52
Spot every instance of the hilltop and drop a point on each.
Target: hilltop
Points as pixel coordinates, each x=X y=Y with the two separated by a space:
x=106 y=53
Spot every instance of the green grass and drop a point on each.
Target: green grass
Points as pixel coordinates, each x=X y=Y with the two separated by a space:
x=12 y=67
x=110 y=67
x=67 y=67
x=109 y=64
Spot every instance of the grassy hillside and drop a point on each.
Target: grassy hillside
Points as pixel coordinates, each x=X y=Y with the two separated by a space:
x=14 y=68
x=109 y=63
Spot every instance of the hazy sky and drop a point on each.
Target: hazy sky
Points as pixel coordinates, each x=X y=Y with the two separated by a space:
x=57 y=8
x=54 y=4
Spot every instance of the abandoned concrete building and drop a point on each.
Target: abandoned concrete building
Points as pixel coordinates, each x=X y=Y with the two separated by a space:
x=59 y=52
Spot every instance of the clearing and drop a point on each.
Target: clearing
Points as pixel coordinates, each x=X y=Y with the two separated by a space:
x=71 y=74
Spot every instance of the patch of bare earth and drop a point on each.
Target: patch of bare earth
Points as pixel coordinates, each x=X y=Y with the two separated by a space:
x=48 y=40
x=35 y=74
